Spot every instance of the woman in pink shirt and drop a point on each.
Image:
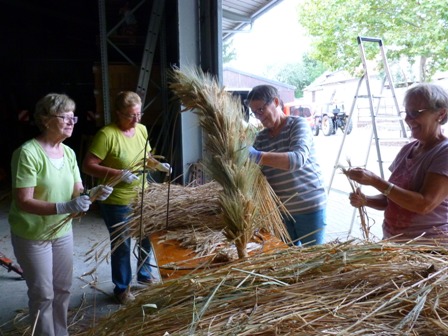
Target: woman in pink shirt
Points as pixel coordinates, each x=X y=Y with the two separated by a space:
x=415 y=198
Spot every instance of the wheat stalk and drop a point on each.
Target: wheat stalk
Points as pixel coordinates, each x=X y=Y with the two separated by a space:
x=365 y=228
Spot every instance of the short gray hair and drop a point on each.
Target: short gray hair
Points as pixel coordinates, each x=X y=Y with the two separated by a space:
x=51 y=105
x=435 y=95
x=266 y=93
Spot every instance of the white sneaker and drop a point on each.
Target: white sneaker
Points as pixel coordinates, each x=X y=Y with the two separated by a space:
x=125 y=297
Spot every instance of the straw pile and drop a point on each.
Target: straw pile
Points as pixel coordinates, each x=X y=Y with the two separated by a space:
x=194 y=217
x=188 y=207
x=333 y=289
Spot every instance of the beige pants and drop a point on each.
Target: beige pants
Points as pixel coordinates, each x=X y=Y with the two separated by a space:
x=48 y=271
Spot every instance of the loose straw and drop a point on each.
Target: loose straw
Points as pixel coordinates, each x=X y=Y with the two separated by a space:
x=365 y=228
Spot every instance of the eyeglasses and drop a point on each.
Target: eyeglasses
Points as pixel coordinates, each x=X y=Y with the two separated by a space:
x=132 y=116
x=259 y=111
x=413 y=114
x=67 y=119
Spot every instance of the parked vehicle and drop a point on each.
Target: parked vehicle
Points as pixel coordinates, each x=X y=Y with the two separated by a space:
x=332 y=118
x=302 y=110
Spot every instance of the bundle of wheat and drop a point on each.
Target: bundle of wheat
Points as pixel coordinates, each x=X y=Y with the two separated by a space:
x=365 y=226
x=245 y=193
x=334 y=289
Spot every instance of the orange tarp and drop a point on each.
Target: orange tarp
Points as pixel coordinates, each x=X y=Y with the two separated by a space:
x=175 y=261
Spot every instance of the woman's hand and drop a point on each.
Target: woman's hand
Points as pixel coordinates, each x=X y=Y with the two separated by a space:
x=164 y=168
x=78 y=204
x=128 y=177
x=100 y=193
x=361 y=175
x=357 y=199
x=254 y=155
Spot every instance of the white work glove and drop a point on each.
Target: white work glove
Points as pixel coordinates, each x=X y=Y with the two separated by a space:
x=101 y=192
x=164 y=168
x=128 y=177
x=78 y=204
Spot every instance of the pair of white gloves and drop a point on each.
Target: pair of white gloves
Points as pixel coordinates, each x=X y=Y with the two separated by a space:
x=82 y=203
x=129 y=177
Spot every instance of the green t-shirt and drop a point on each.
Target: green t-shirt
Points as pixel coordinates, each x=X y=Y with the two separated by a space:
x=31 y=168
x=120 y=152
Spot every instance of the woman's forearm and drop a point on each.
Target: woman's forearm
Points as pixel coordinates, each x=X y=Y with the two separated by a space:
x=378 y=202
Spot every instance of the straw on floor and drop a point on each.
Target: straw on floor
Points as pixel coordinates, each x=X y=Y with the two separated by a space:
x=335 y=289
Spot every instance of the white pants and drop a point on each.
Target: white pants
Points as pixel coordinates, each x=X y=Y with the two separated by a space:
x=48 y=271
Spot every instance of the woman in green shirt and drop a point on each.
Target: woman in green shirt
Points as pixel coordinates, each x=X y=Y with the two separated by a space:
x=46 y=186
x=112 y=152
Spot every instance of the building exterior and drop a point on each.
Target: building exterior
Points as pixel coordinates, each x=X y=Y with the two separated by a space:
x=234 y=79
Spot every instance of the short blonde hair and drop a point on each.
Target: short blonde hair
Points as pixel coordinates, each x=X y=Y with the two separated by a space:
x=126 y=99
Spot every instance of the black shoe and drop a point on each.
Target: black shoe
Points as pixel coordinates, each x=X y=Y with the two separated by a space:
x=145 y=281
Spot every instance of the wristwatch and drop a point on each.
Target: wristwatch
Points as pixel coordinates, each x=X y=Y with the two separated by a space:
x=389 y=189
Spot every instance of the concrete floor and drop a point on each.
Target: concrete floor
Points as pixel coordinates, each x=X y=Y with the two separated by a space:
x=91 y=294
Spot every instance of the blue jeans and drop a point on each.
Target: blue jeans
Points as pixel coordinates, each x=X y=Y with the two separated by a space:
x=121 y=250
x=302 y=225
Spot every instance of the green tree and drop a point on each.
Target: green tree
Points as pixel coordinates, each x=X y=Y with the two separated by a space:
x=228 y=51
x=300 y=74
x=412 y=29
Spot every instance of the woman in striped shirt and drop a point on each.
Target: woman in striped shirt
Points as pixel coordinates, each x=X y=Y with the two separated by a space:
x=285 y=150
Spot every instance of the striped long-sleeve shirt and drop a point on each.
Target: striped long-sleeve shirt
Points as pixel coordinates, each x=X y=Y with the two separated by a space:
x=301 y=188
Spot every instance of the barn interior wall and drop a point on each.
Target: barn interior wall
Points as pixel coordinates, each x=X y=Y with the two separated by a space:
x=53 y=46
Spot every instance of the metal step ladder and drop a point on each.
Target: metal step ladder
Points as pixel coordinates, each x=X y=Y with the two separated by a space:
x=149 y=48
x=374 y=105
x=375 y=117
x=148 y=51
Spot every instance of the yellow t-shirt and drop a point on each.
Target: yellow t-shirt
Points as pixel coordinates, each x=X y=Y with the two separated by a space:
x=121 y=152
